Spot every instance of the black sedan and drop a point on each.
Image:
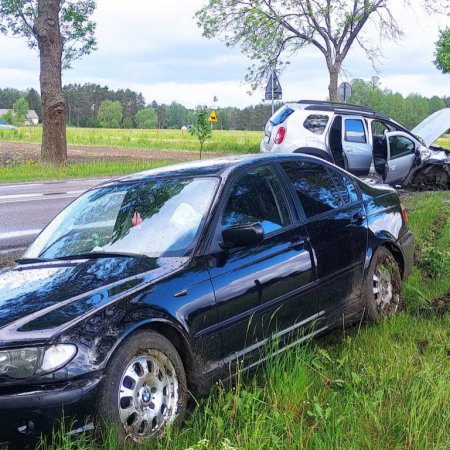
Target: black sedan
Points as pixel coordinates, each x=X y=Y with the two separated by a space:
x=158 y=284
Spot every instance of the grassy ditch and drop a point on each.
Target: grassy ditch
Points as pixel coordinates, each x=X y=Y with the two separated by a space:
x=382 y=386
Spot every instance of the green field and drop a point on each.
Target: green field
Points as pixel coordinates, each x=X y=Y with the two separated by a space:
x=382 y=386
x=221 y=142
x=31 y=172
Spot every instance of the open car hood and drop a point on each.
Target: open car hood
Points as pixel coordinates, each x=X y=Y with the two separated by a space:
x=434 y=126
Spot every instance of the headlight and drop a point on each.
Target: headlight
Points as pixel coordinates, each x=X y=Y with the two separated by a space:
x=27 y=362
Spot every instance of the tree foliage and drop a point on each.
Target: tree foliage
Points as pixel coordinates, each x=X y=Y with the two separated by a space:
x=110 y=114
x=442 y=54
x=146 y=118
x=201 y=127
x=20 y=110
x=269 y=30
x=18 y=17
x=409 y=111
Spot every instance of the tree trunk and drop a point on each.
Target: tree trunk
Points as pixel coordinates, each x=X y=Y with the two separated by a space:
x=47 y=30
x=333 y=86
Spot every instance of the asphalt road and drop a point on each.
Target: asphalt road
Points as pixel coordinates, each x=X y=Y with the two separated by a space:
x=25 y=209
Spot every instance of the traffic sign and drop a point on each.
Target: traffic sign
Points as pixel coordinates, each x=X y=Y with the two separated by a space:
x=273 y=88
x=213 y=117
x=345 y=91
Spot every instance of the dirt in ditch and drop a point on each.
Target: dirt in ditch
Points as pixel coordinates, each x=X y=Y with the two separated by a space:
x=20 y=151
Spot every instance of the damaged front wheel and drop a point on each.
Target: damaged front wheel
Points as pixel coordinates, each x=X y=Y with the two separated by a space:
x=434 y=179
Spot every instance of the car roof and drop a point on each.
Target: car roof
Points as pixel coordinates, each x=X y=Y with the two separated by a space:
x=336 y=107
x=206 y=167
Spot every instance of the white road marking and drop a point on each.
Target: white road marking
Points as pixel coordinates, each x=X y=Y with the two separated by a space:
x=40 y=198
x=12 y=196
x=16 y=234
x=12 y=250
x=14 y=186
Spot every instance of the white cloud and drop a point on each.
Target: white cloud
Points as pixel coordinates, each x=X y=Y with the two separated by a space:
x=156 y=48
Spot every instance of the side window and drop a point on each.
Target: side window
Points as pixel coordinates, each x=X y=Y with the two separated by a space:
x=314 y=187
x=257 y=196
x=379 y=128
x=354 y=131
x=400 y=146
x=316 y=123
x=345 y=186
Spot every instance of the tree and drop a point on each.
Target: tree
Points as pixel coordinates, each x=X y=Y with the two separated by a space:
x=146 y=118
x=442 y=54
x=201 y=127
x=35 y=102
x=110 y=114
x=62 y=32
x=20 y=110
x=267 y=29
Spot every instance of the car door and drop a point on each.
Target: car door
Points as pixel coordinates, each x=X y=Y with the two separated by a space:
x=261 y=290
x=356 y=145
x=337 y=226
x=401 y=150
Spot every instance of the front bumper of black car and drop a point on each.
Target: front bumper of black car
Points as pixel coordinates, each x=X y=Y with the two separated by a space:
x=27 y=415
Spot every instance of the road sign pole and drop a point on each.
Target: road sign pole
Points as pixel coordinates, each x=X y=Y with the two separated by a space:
x=273 y=100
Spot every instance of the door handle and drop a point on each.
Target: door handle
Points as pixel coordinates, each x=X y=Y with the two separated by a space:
x=298 y=241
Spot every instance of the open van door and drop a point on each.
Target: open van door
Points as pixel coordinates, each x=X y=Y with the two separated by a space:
x=401 y=156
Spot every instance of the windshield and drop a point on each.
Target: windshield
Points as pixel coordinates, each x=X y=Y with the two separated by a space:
x=152 y=218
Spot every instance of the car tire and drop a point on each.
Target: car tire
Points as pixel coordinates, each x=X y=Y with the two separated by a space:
x=383 y=286
x=144 y=388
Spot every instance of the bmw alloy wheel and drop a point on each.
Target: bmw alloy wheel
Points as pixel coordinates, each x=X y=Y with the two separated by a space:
x=148 y=394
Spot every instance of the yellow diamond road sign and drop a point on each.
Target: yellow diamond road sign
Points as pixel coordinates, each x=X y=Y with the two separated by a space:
x=213 y=117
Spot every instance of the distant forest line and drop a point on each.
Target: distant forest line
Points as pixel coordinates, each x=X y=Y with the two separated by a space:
x=83 y=103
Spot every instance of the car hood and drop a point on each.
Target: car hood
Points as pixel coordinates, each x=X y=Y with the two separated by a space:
x=433 y=127
x=37 y=300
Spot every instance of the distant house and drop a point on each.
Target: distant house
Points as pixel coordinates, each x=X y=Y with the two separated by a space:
x=32 y=117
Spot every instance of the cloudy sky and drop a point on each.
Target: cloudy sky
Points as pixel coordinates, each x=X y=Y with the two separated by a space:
x=156 y=48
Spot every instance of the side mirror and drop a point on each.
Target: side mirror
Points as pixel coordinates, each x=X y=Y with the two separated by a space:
x=242 y=235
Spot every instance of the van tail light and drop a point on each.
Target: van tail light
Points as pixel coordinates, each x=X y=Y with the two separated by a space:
x=405 y=215
x=279 y=138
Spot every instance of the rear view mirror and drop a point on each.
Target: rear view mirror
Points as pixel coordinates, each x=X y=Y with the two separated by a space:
x=242 y=235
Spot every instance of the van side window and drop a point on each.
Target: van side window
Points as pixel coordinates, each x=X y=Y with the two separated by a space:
x=316 y=123
x=354 y=131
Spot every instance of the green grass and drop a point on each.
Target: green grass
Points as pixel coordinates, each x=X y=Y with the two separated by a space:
x=31 y=172
x=177 y=140
x=429 y=217
x=444 y=141
x=384 y=386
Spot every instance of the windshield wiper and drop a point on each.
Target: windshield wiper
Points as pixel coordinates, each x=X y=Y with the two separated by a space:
x=99 y=255
x=33 y=260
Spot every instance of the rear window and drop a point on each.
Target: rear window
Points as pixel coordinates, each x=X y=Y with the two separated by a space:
x=316 y=123
x=282 y=116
